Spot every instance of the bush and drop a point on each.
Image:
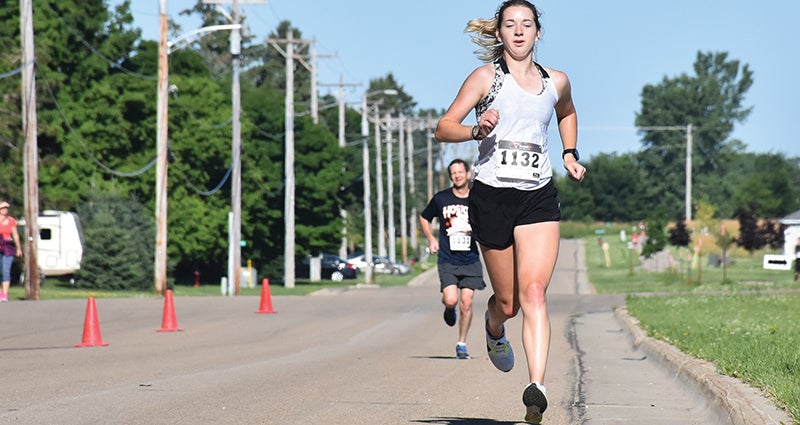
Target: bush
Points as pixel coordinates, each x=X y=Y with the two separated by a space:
x=118 y=251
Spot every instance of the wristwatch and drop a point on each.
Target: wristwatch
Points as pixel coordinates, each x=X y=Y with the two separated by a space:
x=476 y=133
x=574 y=153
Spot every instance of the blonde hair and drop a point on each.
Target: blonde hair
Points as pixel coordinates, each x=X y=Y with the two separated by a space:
x=484 y=30
x=483 y=34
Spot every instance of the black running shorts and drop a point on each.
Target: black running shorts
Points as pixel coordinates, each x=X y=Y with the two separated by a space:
x=495 y=212
x=464 y=276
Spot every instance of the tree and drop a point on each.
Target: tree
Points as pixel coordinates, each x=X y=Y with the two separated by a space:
x=63 y=73
x=615 y=188
x=118 y=243
x=656 y=237
x=750 y=238
x=97 y=122
x=766 y=185
x=725 y=240
x=577 y=201
x=773 y=234
x=678 y=235
x=711 y=100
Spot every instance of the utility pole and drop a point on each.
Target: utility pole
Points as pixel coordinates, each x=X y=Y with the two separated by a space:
x=312 y=68
x=367 y=193
x=688 y=201
x=288 y=166
x=342 y=106
x=429 y=145
x=30 y=128
x=161 y=156
x=236 y=151
x=235 y=220
x=401 y=129
x=688 y=172
x=342 y=143
x=390 y=191
x=442 y=149
x=413 y=218
x=314 y=91
x=379 y=185
x=235 y=216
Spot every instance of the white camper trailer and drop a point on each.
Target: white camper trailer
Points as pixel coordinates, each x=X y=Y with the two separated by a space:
x=60 y=244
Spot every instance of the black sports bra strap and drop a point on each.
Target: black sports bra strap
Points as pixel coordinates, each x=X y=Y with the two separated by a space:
x=541 y=69
x=504 y=66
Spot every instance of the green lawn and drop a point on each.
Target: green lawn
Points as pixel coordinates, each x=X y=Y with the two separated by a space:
x=626 y=274
x=753 y=337
x=54 y=288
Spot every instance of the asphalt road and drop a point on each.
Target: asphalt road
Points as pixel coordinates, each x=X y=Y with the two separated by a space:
x=357 y=356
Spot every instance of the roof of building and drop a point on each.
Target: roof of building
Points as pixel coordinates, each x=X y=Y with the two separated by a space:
x=793 y=218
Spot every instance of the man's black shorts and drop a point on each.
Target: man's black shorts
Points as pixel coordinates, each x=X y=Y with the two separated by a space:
x=464 y=276
x=495 y=212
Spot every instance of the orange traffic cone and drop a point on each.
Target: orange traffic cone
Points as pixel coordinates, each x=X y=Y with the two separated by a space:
x=266 y=298
x=91 y=327
x=169 y=323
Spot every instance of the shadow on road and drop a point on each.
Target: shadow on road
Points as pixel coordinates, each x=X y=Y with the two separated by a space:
x=462 y=421
x=436 y=357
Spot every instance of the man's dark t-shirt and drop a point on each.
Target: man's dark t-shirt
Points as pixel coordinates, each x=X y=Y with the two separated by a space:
x=456 y=245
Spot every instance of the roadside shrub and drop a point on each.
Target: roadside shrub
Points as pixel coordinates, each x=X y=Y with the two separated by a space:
x=118 y=251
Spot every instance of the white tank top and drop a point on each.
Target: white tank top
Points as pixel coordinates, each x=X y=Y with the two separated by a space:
x=515 y=153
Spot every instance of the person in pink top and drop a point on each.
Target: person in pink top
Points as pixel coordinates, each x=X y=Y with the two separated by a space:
x=9 y=246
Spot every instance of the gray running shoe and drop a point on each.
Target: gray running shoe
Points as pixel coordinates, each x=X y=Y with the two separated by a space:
x=500 y=352
x=535 y=400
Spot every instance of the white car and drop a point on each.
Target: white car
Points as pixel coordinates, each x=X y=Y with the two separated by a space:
x=381 y=265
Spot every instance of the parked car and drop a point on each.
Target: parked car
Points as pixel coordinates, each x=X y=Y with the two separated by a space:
x=382 y=265
x=402 y=268
x=332 y=268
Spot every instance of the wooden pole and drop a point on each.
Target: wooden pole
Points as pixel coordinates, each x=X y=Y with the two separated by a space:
x=161 y=158
x=30 y=126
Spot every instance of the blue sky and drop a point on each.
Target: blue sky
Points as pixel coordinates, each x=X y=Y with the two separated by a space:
x=609 y=49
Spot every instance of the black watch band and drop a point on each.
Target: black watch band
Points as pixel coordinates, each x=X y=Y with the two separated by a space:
x=476 y=133
x=574 y=153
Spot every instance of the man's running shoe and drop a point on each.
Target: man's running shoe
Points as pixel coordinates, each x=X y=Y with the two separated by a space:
x=535 y=400
x=461 y=351
x=500 y=352
x=450 y=316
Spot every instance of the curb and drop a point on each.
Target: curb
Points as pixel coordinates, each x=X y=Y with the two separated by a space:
x=422 y=278
x=730 y=400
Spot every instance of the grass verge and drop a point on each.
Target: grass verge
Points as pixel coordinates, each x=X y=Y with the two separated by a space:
x=55 y=288
x=753 y=337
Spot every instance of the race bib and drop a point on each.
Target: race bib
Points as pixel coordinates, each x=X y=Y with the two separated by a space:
x=519 y=160
x=460 y=242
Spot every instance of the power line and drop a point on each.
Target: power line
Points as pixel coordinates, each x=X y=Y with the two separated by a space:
x=209 y=192
x=14 y=72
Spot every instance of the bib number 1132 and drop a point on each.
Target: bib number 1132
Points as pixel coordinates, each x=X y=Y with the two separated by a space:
x=519 y=160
